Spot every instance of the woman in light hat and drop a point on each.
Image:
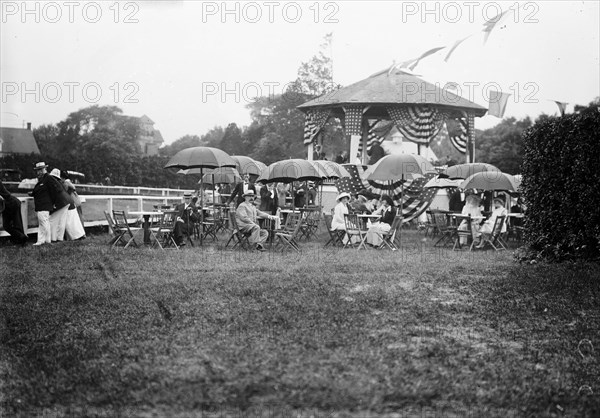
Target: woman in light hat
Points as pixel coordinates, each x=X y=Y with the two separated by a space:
x=61 y=220
x=338 y=222
x=378 y=229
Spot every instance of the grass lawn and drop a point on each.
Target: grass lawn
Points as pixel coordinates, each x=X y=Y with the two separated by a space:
x=90 y=331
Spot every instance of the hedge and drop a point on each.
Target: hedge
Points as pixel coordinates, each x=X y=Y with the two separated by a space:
x=561 y=186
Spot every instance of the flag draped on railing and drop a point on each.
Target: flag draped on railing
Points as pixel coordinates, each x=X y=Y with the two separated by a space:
x=314 y=120
x=353 y=120
x=418 y=123
x=415 y=197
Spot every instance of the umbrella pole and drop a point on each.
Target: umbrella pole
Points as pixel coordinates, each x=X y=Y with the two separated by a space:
x=201 y=204
x=401 y=211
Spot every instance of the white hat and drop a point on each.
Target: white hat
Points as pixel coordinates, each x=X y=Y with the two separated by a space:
x=55 y=172
x=342 y=195
x=248 y=193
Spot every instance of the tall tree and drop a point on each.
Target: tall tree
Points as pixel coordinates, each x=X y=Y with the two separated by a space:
x=232 y=142
x=502 y=145
x=186 y=141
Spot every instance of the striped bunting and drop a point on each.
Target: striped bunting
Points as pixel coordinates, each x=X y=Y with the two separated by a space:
x=314 y=120
x=378 y=130
x=458 y=132
x=418 y=123
x=415 y=197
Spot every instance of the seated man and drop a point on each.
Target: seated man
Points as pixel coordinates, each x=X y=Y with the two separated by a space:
x=188 y=214
x=247 y=216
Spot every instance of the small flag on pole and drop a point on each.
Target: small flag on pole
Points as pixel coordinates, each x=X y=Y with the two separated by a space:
x=497 y=103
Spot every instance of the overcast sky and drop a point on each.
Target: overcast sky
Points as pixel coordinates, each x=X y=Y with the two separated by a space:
x=194 y=65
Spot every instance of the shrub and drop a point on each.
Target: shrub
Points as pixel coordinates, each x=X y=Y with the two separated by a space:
x=561 y=186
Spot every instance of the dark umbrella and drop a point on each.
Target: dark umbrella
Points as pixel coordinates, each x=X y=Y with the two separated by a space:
x=399 y=167
x=462 y=171
x=247 y=165
x=201 y=158
x=287 y=171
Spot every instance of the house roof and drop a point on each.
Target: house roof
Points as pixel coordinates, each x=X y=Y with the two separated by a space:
x=398 y=87
x=17 y=141
x=146 y=119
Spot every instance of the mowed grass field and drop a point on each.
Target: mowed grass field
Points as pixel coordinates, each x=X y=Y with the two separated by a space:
x=86 y=330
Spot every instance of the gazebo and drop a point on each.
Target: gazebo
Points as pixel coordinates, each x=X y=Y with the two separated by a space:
x=369 y=108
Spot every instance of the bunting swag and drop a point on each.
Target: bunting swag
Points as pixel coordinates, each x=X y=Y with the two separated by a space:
x=458 y=132
x=314 y=120
x=418 y=123
x=353 y=120
x=415 y=197
x=377 y=133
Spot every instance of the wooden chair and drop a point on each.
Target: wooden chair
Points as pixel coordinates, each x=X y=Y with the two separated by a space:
x=164 y=234
x=128 y=232
x=238 y=237
x=466 y=234
x=355 y=229
x=496 y=241
x=289 y=234
x=335 y=236
x=310 y=223
x=447 y=231
x=115 y=232
x=210 y=226
x=389 y=238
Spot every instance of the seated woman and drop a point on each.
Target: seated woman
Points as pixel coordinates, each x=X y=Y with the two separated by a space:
x=360 y=205
x=488 y=225
x=338 y=222
x=380 y=228
x=472 y=208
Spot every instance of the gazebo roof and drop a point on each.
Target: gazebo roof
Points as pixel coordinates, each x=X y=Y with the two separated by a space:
x=397 y=87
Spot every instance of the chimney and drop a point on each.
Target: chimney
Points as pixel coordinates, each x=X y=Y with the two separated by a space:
x=29 y=126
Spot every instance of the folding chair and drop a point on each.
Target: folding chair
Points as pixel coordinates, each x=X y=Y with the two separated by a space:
x=354 y=228
x=165 y=233
x=310 y=223
x=447 y=232
x=430 y=228
x=210 y=226
x=496 y=240
x=121 y=223
x=116 y=232
x=335 y=236
x=238 y=237
x=467 y=234
x=389 y=238
x=290 y=233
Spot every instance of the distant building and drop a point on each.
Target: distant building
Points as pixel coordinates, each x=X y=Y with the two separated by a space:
x=17 y=141
x=395 y=143
x=150 y=139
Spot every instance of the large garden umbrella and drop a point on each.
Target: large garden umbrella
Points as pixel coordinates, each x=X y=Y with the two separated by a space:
x=331 y=169
x=247 y=165
x=221 y=175
x=287 y=171
x=462 y=171
x=489 y=180
x=399 y=167
x=201 y=158
x=442 y=183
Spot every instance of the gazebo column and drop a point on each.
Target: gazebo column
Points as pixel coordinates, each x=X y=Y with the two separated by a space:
x=470 y=138
x=365 y=141
x=310 y=151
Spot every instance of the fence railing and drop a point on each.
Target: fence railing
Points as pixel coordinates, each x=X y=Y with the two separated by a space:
x=93 y=208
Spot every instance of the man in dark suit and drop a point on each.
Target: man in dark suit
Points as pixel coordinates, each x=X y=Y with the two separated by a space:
x=188 y=214
x=240 y=189
x=11 y=216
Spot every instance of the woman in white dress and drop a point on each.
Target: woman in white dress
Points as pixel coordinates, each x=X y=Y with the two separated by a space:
x=488 y=226
x=338 y=222
x=378 y=229
x=472 y=208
